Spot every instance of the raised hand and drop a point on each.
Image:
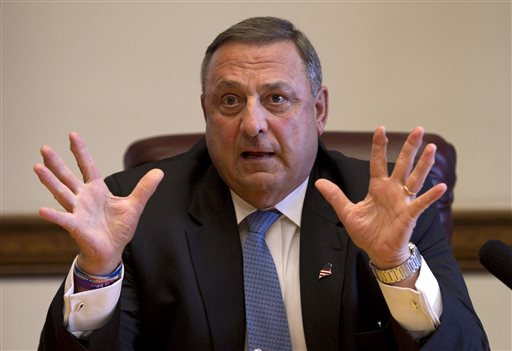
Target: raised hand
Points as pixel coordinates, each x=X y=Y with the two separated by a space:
x=100 y=223
x=382 y=223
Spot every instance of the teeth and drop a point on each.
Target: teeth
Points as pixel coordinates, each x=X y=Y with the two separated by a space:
x=255 y=155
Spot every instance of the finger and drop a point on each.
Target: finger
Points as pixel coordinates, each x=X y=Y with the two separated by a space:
x=378 y=159
x=83 y=158
x=146 y=187
x=422 y=202
x=58 y=167
x=418 y=175
x=60 y=192
x=405 y=160
x=62 y=219
x=334 y=196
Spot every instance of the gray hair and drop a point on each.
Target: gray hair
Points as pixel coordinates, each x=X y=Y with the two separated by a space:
x=266 y=30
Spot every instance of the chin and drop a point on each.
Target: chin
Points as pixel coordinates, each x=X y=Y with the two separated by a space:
x=261 y=184
x=268 y=193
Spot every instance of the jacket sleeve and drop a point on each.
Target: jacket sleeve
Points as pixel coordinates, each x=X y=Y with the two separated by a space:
x=56 y=337
x=460 y=327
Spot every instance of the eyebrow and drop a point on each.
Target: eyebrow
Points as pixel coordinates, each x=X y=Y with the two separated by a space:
x=227 y=84
x=280 y=84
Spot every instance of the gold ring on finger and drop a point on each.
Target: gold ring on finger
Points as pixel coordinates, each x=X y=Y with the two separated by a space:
x=410 y=193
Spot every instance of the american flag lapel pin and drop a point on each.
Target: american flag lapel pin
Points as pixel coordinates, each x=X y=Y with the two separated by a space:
x=326 y=271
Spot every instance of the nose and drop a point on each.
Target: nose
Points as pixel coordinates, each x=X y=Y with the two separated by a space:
x=254 y=119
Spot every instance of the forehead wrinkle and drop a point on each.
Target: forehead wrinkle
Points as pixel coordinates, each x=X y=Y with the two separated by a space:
x=247 y=68
x=256 y=60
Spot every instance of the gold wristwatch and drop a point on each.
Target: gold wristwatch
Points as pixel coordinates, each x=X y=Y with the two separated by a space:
x=404 y=271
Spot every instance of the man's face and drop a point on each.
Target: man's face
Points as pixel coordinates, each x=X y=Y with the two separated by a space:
x=262 y=123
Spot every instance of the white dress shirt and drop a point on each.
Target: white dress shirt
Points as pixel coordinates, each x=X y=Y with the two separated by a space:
x=417 y=312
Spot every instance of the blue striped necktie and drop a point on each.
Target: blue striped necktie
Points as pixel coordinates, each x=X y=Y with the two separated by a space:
x=267 y=325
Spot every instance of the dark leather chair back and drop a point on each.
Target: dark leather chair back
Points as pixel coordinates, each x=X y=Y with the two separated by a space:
x=353 y=144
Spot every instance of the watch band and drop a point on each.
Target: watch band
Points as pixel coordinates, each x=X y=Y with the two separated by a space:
x=403 y=271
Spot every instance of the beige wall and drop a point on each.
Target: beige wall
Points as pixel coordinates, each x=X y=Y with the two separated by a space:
x=119 y=71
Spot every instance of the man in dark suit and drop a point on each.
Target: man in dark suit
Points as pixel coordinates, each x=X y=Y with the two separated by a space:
x=361 y=259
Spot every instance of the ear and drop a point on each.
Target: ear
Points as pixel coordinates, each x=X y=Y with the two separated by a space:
x=203 y=106
x=321 y=109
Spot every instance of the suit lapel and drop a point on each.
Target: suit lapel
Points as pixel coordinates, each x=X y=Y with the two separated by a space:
x=328 y=304
x=217 y=260
x=323 y=241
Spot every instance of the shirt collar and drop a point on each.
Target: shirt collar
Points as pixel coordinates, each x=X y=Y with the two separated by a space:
x=290 y=206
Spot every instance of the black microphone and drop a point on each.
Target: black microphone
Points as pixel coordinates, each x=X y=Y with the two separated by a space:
x=496 y=257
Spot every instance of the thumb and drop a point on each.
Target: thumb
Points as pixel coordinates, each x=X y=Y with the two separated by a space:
x=334 y=196
x=146 y=186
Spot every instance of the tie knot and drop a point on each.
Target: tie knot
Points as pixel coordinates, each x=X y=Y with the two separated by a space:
x=260 y=221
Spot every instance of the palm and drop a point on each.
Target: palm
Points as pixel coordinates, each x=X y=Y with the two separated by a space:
x=100 y=223
x=382 y=223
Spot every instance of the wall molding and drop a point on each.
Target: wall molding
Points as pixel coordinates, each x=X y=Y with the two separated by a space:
x=471 y=229
x=31 y=246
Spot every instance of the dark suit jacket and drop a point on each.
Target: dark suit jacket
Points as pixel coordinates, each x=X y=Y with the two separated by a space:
x=183 y=286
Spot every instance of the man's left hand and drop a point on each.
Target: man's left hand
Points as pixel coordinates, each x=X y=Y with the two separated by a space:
x=382 y=223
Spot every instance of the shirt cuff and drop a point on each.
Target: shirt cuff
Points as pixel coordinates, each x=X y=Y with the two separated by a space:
x=419 y=311
x=89 y=310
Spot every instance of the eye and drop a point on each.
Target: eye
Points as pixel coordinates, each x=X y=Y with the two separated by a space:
x=230 y=104
x=277 y=103
x=230 y=100
x=276 y=98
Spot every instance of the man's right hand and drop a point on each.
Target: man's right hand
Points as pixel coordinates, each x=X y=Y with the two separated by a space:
x=101 y=224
